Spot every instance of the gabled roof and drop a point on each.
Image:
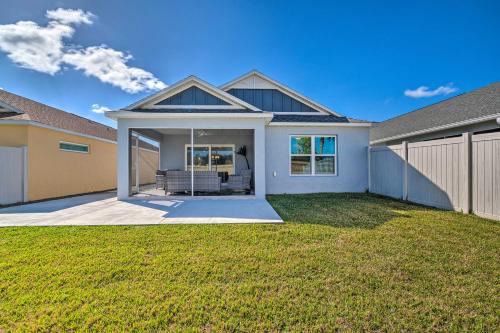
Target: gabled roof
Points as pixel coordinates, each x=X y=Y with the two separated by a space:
x=472 y=107
x=150 y=101
x=23 y=108
x=256 y=80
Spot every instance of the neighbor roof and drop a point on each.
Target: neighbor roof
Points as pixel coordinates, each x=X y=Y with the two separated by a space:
x=47 y=115
x=480 y=104
x=15 y=107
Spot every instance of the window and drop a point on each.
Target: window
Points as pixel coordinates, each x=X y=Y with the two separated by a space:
x=313 y=155
x=73 y=147
x=211 y=157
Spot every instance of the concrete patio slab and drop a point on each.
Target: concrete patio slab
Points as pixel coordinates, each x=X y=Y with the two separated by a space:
x=105 y=209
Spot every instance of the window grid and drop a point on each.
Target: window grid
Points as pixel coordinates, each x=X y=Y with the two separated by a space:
x=313 y=155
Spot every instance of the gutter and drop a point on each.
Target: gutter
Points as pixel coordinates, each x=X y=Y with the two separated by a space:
x=115 y=115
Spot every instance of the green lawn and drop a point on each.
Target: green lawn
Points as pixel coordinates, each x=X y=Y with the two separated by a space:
x=342 y=261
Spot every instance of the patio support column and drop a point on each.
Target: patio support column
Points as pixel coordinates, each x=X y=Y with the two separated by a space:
x=260 y=161
x=192 y=162
x=123 y=163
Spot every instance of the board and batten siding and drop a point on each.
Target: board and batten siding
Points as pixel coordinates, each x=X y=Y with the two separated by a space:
x=270 y=100
x=461 y=173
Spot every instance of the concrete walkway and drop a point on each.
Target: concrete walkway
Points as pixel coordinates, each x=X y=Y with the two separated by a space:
x=105 y=209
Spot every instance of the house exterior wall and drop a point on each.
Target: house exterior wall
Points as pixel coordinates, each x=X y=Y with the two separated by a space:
x=13 y=135
x=352 y=161
x=172 y=148
x=148 y=164
x=55 y=173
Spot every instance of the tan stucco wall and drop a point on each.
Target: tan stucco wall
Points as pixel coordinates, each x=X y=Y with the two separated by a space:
x=56 y=173
x=13 y=135
x=148 y=164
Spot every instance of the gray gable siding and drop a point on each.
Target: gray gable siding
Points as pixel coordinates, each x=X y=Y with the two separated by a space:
x=271 y=100
x=192 y=96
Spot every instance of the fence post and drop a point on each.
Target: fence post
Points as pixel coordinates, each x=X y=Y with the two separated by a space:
x=369 y=169
x=404 y=148
x=467 y=165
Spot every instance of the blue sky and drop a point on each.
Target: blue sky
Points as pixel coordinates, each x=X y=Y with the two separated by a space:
x=358 y=58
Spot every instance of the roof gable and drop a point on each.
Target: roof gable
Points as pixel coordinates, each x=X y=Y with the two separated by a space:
x=271 y=100
x=192 y=89
x=257 y=80
x=192 y=96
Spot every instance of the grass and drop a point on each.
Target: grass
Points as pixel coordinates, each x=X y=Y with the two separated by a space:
x=341 y=262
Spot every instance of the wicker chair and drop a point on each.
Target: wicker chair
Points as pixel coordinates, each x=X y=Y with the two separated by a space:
x=240 y=182
x=160 y=179
x=204 y=181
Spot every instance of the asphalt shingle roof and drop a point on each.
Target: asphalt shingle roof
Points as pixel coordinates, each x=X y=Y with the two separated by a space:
x=47 y=115
x=475 y=104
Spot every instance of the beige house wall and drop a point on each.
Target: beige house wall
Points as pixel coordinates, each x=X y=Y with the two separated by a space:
x=13 y=135
x=56 y=173
x=148 y=164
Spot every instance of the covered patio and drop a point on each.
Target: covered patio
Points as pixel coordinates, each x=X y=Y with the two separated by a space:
x=203 y=162
x=200 y=155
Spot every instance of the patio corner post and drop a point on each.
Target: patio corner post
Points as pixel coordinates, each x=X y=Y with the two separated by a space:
x=260 y=161
x=123 y=162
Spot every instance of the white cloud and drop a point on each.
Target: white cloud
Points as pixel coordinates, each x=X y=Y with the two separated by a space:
x=99 y=108
x=34 y=47
x=424 y=91
x=110 y=66
x=42 y=48
x=70 y=16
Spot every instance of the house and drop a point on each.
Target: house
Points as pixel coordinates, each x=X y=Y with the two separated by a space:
x=477 y=112
x=293 y=144
x=48 y=153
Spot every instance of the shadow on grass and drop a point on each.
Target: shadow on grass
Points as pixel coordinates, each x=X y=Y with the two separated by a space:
x=341 y=210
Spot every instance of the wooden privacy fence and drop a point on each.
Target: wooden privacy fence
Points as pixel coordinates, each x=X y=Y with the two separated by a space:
x=461 y=173
x=13 y=175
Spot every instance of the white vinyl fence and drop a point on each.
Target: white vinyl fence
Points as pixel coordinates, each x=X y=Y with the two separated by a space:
x=461 y=173
x=13 y=186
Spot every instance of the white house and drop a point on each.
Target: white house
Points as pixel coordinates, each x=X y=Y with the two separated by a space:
x=293 y=144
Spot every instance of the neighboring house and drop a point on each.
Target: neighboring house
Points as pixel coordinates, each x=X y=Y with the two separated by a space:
x=294 y=144
x=477 y=111
x=63 y=154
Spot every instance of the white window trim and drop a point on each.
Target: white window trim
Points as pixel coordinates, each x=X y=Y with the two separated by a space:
x=312 y=155
x=76 y=144
x=210 y=145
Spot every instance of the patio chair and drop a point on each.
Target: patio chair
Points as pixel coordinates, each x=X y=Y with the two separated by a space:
x=240 y=182
x=160 y=179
